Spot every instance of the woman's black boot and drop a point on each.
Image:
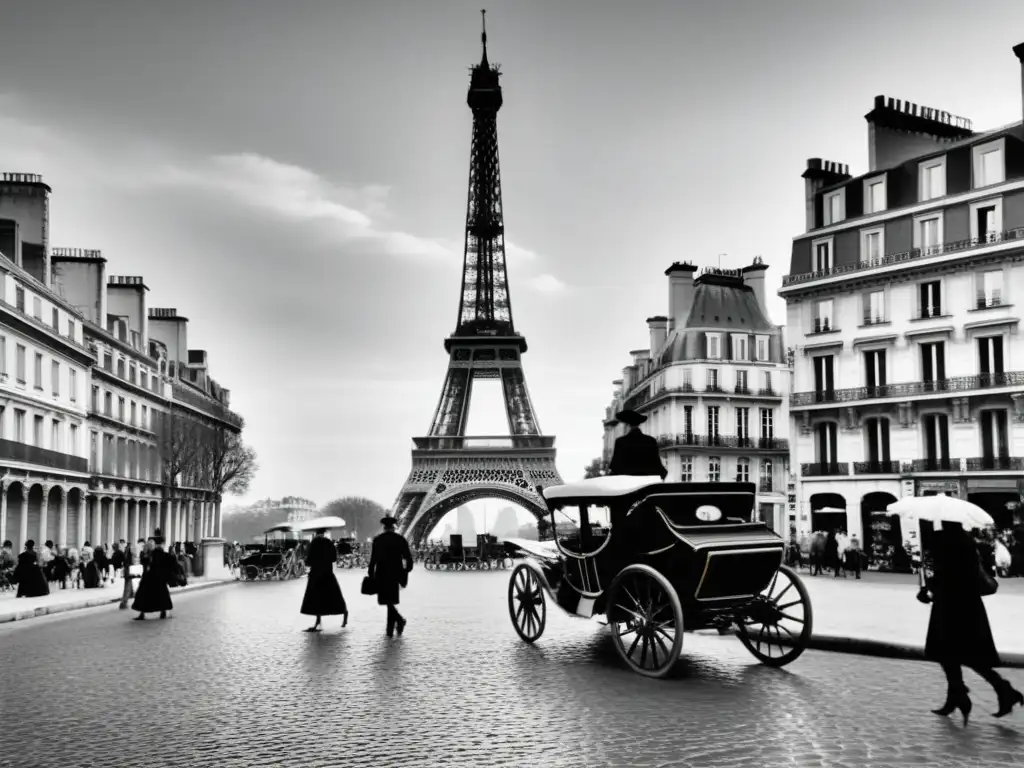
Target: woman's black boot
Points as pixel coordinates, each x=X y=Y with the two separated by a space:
x=1009 y=697
x=952 y=698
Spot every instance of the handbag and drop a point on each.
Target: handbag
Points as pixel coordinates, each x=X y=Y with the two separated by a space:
x=987 y=585
x=369 y=586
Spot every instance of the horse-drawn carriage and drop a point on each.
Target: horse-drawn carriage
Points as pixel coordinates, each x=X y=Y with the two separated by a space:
x=659 y=559
x=277 y=558
x=488 y=554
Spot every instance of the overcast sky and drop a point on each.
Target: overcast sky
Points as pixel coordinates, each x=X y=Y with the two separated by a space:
x=292 y=178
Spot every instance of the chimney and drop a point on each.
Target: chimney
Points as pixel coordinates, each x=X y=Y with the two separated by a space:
x=1019 y=51
x=901 y=130
x=80 y=276
x=658 y=328
x=680 y=293
x=820 y=174
x=753 y=276
x=628 y=379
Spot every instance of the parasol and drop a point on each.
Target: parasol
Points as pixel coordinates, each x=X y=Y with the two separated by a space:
x=942 y=509
x=321 y=522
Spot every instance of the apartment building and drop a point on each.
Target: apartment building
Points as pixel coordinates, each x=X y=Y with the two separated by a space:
x=713 y=383
x=902 y=302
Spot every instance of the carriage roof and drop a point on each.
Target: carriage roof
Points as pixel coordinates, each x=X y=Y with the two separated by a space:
x=317 y=523
x=281 y=528
x=598 y=487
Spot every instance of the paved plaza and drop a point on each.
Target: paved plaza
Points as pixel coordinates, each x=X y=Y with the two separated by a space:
x=232 y=680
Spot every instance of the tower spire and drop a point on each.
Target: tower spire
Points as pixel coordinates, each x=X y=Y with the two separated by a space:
x=483 y=36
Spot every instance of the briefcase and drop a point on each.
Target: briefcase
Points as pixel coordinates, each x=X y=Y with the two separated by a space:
x=369 y=586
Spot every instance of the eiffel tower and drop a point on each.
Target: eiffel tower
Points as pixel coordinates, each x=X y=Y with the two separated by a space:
x=449 y=468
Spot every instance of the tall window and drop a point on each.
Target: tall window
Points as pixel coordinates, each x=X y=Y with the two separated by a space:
x=19 y=425
x=928 y=234
x=687 y=419
x=38 y=371
x=687 y=380
x=120 y=367
x=686 y=475
x=714 y=346
x=767 y=424
x=933 y=179
x=874 y=307
x=55 y=320
x=743 y=470
x=3 y=355
x=108 y=404
x=874 y=372
x=988 y=164
x=930 y=295
x=715 y=469
x=766 y=382
x=741 y=381
x=55 y=376
x=19 y=364
x=37 y=308
x=990 y=289
x=990 y=360
x=824 y=380
x=95 y=398
x=713 y=383
x=876 y=435
x=713 y=421
x=833 y=207
x=94 y=452
x=823 y=316
x=19 y=298
x=767 y=476
x=120 y=408
x=822 y=255
x=871 y=245
x=743 y=425
x=827 y=442
x=739 y=348
x=762 y=349
x=37 y=431
x=986 y=220
x=933 y=362
x=131 y=373
x=874 y=195
x=55 y=436
x=994 y=441
x=72 y=384
x=108 y=454
x=936 y=440
x=73 y=440
x=71 y=328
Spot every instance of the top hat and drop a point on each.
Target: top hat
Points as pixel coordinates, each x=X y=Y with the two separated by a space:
x=630 y=418
x=388 y=520
x=157 y=537
x=320 y=530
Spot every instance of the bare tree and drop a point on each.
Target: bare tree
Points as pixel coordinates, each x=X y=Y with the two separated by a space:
x=226 y=463
x=179 y=442
x=596 y=468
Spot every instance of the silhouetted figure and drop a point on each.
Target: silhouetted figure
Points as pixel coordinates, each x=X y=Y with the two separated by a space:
x=323 y=594
x=31 y=580
x=159 y=570
x=832 y=552
x=390 y=564
x=636 y=453
x=958 y=631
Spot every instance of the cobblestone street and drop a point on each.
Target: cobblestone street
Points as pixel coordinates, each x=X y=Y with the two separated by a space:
x=232 y=681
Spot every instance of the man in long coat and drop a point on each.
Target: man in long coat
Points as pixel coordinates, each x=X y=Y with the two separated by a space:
x=390 y=563
x=636 y=453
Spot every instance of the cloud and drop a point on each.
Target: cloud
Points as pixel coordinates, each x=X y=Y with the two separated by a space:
x=514 y=253
x=546 y=283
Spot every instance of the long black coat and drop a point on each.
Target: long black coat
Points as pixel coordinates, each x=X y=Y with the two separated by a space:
x=323 y=594
x=390 y=563
x=31 y=580
x=152 y=593
x=637 y=454
x=958 y=631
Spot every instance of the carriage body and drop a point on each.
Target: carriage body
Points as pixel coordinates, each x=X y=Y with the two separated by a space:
x=277 y=558
x=695 y=544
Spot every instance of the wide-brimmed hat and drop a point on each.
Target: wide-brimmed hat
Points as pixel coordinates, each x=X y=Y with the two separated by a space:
x=388 y=520
x=630 y=418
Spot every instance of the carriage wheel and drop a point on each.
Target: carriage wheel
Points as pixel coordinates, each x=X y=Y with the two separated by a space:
x=777 y=625
x=251 y=572
x=646 y=620
x=526 y=603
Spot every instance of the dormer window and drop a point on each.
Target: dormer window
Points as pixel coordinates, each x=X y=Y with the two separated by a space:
x=872 y=245
x=762 y=349
x=874 y=194
x=988 y=163
x=739 y=347
x=834 y=207
x=714 y=346
x=932 y=178
x=821 y=255
x=986 y=220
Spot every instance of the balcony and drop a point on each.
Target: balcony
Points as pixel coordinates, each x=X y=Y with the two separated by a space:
x=741 y=389
x=768 y=392
x=766 y=486
x=910 y=389
x=482 y=442
x=915 y=254
x=932 y=465
x=193 y=397
x=31 y=454
x=990 y=301
x=874 y=319
x=876 y=467
x=823 y=325
x=737 y=442
x=995 y=464
x=832 y=469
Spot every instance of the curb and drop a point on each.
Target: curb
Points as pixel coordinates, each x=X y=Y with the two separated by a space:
x=50 y=610
x=887 y=650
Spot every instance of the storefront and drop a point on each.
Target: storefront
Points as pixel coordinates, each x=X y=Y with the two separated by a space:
x=999 y=496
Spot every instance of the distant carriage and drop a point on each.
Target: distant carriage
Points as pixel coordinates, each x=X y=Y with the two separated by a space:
x=279 y=557
x=488 y=554
x=660 y=559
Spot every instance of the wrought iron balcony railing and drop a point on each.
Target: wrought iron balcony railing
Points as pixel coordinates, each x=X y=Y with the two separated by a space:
x=871 y=319
x=913 y=254
x=31 y=454
x=741 y=389
x=684 y=439
x=995 y=463
x=986 y=301
x=766 y=486
x=876 y=467
x=830 y=469
x=910 y=388
x=482 y=442
x=933 y=465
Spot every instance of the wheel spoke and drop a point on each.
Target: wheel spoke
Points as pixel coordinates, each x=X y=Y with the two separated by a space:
x=643 y=652
x=633 y=646
x=631 y=612
x=791 y=618
x=789 y=605
x=519 y=612
x=779 y=596
x=654 y=652
x=626 y=631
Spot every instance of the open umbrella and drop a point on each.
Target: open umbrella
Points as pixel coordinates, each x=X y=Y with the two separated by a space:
x=942 y=509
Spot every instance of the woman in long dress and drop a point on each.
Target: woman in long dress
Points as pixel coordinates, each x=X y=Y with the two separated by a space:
x=159 y=569
x=323 y=593
x=390 y=563
x=89 y=568
x=31 y=580
x=958 y=630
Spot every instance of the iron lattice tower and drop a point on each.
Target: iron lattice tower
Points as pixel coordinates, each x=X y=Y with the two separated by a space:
x=450 y=468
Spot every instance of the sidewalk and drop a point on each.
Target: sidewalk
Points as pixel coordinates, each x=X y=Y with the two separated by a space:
x=61 y=600
x=880 y=616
